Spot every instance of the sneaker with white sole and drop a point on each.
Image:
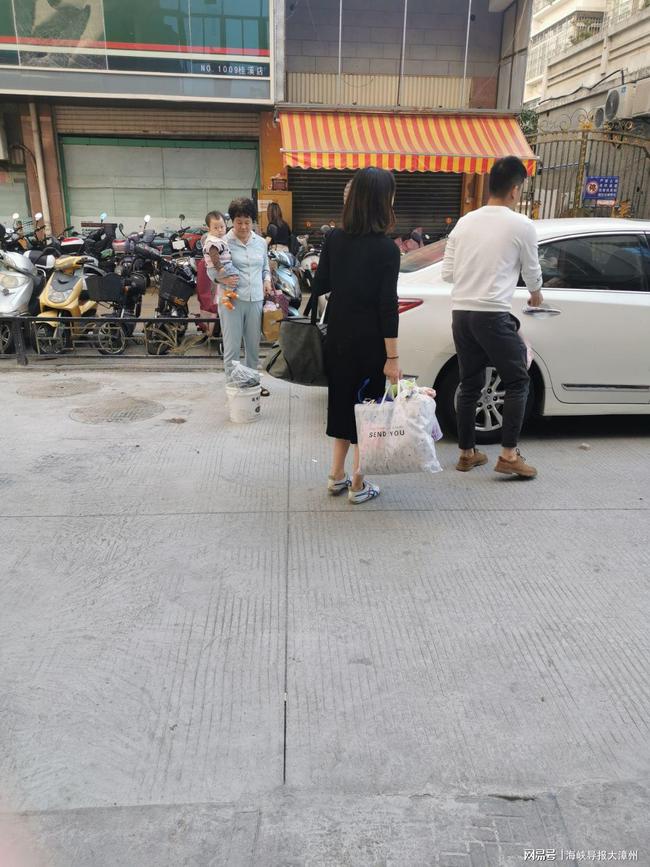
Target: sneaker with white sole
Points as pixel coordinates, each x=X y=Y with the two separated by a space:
x=338 y=487
x=367 y=492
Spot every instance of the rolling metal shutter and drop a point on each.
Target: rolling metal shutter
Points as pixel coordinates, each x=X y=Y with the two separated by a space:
x=130 y=177
x=424 y=199
x=156 y=122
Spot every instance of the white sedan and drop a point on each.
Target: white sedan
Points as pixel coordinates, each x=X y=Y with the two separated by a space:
x=591 y=357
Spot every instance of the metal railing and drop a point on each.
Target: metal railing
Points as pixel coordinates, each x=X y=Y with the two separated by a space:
x=567 y=158
x=36 y=338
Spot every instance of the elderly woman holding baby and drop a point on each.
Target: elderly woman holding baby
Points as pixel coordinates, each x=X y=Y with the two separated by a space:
x=244 y=280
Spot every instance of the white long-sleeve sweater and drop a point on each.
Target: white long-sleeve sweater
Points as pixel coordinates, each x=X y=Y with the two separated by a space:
x=486 y=251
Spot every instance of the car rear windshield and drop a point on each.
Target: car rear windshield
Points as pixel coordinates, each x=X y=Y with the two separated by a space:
x=422 y=258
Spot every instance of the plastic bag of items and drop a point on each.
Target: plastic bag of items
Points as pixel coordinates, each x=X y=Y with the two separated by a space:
x=244 y=377
x=398 y=435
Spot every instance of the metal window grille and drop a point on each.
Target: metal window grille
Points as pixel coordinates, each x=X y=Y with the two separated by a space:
x=560 y=37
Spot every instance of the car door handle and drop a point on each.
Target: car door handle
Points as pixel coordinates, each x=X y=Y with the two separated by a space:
x=541 y=312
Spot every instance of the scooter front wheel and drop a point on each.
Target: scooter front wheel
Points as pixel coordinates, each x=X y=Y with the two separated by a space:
x=6 y=339
x=47 y=340
x=157 y=339
x=111 y=338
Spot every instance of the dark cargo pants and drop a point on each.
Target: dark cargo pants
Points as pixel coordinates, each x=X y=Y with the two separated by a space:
x=489 y=340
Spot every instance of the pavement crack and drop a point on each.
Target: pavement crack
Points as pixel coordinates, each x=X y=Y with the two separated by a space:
x=512 y=797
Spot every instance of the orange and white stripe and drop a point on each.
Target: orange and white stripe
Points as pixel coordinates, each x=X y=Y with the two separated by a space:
x=401 y=142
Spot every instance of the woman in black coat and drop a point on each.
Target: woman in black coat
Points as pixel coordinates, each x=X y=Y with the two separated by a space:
x=359 y=266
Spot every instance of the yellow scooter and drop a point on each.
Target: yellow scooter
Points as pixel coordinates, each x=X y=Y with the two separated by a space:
x=64 y=304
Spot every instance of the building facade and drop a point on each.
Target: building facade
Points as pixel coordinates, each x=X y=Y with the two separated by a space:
x=174 y=106
x=581 y=51
x=132 y=108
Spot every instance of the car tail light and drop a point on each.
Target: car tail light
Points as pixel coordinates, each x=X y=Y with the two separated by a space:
x=404 y=304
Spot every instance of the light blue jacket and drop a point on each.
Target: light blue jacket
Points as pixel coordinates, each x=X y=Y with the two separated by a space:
x=252 y=263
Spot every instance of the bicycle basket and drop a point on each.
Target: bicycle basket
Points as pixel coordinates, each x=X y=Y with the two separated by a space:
x=107 y=288
x=172 y=286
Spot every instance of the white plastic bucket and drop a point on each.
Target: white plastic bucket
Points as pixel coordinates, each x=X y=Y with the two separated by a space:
x=244 y=403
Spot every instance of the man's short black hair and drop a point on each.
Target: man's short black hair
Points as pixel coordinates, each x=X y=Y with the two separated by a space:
x=506 y=173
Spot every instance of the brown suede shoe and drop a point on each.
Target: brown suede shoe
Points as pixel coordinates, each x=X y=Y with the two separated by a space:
x=518 y=467
x=465 y=464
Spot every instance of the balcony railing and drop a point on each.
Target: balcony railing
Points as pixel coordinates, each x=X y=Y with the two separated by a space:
x=620 y=10
x=559 y=38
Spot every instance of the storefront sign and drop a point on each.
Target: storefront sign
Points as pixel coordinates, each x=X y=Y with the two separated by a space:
x=603 y=189
x=228 y=41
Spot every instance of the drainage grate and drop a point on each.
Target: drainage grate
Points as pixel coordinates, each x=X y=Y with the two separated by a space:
x=121 y=410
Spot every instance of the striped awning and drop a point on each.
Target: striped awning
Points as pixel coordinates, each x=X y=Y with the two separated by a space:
x=401 y=142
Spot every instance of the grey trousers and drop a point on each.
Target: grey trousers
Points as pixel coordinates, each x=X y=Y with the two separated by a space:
x=244 y=322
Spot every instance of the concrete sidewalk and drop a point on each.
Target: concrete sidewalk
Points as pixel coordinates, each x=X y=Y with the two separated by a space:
x=207 y=661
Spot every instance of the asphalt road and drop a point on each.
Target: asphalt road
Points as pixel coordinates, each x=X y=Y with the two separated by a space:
x=207 y=661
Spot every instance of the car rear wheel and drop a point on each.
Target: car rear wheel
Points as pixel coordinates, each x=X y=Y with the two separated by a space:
x=489 y=408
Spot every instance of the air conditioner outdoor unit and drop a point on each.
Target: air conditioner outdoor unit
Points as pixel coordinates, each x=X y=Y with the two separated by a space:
x=619 y=103
x=599 y=117
x=641 y=104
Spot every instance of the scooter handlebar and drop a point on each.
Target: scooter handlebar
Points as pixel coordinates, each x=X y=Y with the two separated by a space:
x=148 y=252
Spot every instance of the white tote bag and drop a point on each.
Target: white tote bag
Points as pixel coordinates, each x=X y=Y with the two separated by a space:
x=397 y=436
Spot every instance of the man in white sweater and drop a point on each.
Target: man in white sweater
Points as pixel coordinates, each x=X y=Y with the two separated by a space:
x=486 y=252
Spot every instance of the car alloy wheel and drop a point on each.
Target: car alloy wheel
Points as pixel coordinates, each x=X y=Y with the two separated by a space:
x=489 y=407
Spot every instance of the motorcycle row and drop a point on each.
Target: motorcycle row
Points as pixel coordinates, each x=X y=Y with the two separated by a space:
x=87 y=289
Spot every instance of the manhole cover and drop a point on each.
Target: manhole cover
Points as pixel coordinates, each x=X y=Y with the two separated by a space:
x=59 y=388
x=120 y=410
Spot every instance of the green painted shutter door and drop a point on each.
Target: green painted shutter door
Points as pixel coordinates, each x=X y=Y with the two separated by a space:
x=129 y=180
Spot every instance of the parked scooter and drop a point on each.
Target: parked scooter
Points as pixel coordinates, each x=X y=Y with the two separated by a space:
x=177 y=285
x=98 y=243
x=124 y=297
x=309 y=256
x=14 y=240
x=43 y=250
x=64 y=304
x=285 y=276
x=133 y=262
x=173 y=243
x=413 y=240
x=20 y=284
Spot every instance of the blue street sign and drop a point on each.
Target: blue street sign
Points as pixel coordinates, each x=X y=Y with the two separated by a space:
x=602 y=188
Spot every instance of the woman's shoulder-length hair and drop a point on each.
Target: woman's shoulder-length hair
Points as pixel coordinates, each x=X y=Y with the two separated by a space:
x=368 y=208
